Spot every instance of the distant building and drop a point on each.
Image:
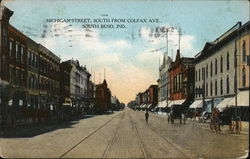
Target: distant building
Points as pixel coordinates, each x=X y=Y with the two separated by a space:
x=152 y=96
x=103 y=98
x=163 y=95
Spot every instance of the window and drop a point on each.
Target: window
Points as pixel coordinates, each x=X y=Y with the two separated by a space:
x=244 y=51
x=196 y=76
x=11 y=48
x=215 y=87
x=22 y=54
x=211 y=69
x=221 y=86
x=228 y=84
x=221 y=64
x=207 y=70
x=199 y=74
x=211 y=89
x=17 y=52
x=203 y=73
x=215 y=67
x=243 y=77
x=206 y=89
x=227 y=60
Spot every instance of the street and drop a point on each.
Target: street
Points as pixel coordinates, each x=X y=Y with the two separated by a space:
x=125 y=134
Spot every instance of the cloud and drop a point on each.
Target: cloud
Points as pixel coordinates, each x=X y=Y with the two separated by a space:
x=127 y=73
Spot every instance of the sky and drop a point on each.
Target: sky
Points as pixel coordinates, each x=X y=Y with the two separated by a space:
x=133 y=49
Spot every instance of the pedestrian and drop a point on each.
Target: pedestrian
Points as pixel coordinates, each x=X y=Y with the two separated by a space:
x=183 y=117
x=168 y=116
x=146 y=116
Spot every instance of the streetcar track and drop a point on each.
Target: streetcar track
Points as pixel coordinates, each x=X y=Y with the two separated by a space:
x=104 y=155
x=92 y=133
x=167 y=140
x=140 y=141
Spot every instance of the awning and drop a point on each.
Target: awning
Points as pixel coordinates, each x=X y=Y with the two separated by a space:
x=196 y=104
x=158 y=105
x=243 y=98
x=170 y=104
x=176 y=102
x=226 y=102
x=162 y=104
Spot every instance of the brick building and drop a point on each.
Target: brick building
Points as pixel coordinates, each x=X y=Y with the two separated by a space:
x=181 y=81
x=103 y=97
x=31 y=72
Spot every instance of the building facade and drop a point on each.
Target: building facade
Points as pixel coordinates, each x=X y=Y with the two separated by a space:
x=221 y=70
x=32 y=73
x=103 y=98
x=79 y=85
x=181 y=81
x=163 y=95
x=152 y=96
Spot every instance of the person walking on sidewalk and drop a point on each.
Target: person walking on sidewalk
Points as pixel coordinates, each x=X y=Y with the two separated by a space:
x=146 y=116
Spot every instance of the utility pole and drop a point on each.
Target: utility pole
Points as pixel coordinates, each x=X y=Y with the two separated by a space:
x=179 y=39
x=99 y=77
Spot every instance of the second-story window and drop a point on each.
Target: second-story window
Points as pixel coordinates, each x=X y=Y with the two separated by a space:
x=211 y=69
x=207 y=71
x=228 y=86
x=244 y=51
x=227 y=60
x=196 y=76
x=17 y=51
x=11 y=48
x=199 y=74
x=215 y=66
x=22 y=54
x=221 y=64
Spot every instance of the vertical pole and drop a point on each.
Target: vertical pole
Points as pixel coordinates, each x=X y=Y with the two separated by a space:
x=99 y=77
x=167 y=40
x=104 y=73
x=180 y=39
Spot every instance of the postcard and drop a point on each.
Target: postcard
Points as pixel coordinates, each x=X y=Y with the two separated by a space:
x=124 y=79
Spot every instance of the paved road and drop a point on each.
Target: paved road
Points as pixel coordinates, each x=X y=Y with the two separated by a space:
x=126 y=135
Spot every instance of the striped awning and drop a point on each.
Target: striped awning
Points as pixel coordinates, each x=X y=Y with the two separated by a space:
x=196 y=104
